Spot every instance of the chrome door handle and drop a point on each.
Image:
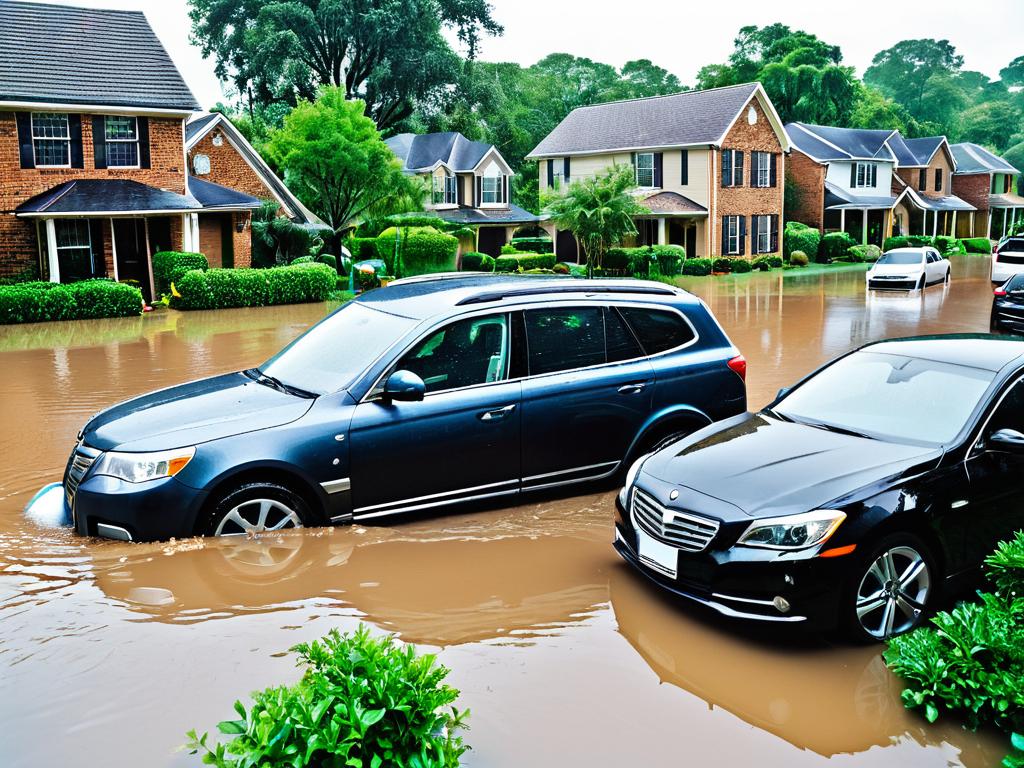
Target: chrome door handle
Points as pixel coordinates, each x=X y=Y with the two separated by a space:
x=632 y=389
x=500 y=413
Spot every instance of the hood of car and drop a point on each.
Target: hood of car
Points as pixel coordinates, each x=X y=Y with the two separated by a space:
x=766 y=466
x=896 y=269
x=193 y=413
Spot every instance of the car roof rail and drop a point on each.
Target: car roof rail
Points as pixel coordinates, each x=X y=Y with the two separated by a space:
x=498 y=293
x=438 y=276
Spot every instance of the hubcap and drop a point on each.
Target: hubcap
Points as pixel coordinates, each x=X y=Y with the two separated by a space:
x=893 y=592
x=256 y=516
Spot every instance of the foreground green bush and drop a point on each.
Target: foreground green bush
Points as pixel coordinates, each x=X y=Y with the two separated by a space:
x=740 y=266
x=645 y=261
x=978 y=245
x=423 y=250
x=799 y=237
x=835 y=245
x=698 y=267
x=227 y=288
x=721 y=264
x=799 y=259
x=362 y=248
x=970 y=662
x=170 y=266
x=865 y=253
x=36 y=302
x=474 y=261
x=523 y=262
x=363 y=701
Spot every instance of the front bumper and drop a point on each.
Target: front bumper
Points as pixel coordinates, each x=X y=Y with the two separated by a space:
x=155 y=510
x=888 y=284
x=1009 y=319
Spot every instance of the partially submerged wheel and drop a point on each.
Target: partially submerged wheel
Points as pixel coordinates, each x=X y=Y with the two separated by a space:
x=921 y=284
x=255 y=508
x=893 y=589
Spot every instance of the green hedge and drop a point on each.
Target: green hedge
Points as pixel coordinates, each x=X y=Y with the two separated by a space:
x=534 y=244
x=226 y=288
x=864 y=253
x=799 y=259
x=524 y=262
x=721 y=264
x=740 y=266
x=764 y=263
x=835 y=245
x=36 y=302
x=170 y=266
x=698 y=267
x=474 y=261
x=800 y=237
x=978 y=245
x=645 y=260
x=896 y=241
x=424 y=250
x=362 y=248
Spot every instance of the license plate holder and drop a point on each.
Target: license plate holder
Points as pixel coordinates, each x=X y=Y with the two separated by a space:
x=660 y=557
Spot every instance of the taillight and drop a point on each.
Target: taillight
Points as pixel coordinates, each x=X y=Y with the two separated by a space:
x=999 y=293
x=738 y=365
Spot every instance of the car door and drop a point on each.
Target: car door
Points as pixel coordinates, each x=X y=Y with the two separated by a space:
x=931 y=266
x=588 y=392
x=996 y=481
x=461 y=441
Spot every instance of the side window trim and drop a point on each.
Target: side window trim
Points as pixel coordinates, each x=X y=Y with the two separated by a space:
x=973 y=443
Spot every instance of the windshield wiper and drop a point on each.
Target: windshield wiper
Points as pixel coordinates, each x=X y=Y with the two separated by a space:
x=269 y=381
x=780 y=416
x=837 y=429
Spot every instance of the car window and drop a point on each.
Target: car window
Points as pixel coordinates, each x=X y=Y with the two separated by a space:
x=658 y=329
x=1013 y=244
x=1015 y=284
x=621 y=343
x=901 y=257
x=463 y=354
x=561 y=339
x=1010 y=412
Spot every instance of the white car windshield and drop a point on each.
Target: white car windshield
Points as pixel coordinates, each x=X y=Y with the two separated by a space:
x=901 y=257
x=890 y=397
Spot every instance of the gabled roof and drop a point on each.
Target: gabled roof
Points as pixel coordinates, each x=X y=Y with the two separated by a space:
x=513 y=214
x=825 y=143
x=212 y=195
x=837 y=197
x=199 y=125
x=691 y=118
x=105 y=196
x=671 y=203
x=924 y=149
x=425 y=151
x=57 y=54
x=946 y=203
x=973 y=158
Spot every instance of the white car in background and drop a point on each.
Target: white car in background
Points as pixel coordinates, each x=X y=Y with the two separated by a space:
x=906 y=269
x=1009 y=259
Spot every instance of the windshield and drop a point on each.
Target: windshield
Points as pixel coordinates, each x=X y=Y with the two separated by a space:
x=1016 y=284
x=901 y=257
x=903 y=399
x=333 y=352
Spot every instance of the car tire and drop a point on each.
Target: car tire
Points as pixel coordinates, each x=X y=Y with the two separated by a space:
x=254 y=508
x=891 y=590
x=921 y=283
x=946 y=280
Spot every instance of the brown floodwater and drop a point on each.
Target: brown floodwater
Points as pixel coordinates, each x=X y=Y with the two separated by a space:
x=110 y=652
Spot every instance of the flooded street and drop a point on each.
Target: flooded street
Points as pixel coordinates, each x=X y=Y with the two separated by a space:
x=110 y=652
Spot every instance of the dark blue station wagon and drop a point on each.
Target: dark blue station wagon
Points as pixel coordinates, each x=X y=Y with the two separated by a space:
x=428 y=392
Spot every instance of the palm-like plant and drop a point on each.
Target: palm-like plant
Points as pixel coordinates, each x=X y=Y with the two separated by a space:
x=599 y=211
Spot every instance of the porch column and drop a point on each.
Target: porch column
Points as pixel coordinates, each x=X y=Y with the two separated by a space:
x=864 y=229
x=51 y=251
x=971 y=232
x=662 y=240
x=842 y=219
x=196 y=246
x=149 y=261
x=953 y=233
x=935 y=223
x=1004 y=222
x=113 y=247
x=988 y=225
x=186 y=234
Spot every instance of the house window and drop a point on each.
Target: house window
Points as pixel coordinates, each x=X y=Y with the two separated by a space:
x=732 y=168
x=733 y=235
x=121 y=133
x=490 y=189
x=201 y=165
x=938 y=179
x=866 y=175
x=451 y=195
x=74 y=249
x=762 y=169
x=763 y=234
x=51 y=140
x=997 y=184
x=645 y=169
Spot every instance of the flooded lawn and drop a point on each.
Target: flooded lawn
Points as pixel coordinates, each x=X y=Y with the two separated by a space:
x=109 y=652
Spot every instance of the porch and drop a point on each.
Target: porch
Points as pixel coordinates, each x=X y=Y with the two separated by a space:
x=492 y=227
x=917 y=214
x=868 y=219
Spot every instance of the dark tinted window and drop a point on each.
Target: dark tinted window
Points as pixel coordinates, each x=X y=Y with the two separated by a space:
x=1014 y=244
x=462 y=354
x=1010 y=413
x=563 y=339
x=622 y=345
x=658 y=329
x=1015 y=284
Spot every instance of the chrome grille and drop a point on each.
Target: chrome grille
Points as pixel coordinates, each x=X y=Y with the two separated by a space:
x=686 y=531
x=81 y=459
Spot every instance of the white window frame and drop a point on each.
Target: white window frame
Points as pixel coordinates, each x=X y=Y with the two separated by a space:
x=733 y=223
x=866 y=174
x=451 y=190
x=108 y=141
x=436 y=190
x=638 y=169
x=765 y=245
x=58 y=224
x=66 y=138
x=763 y=168
x=497 y=193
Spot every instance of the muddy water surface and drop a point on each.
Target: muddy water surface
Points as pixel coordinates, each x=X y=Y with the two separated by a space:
x=109 y=652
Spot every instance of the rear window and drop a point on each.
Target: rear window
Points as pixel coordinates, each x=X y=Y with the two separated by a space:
x=658 y=329
x=1015 y=244
x=1015 y=284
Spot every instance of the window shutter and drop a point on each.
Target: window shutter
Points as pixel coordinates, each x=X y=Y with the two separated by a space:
x=922 y=179
x=737 y=172
x=754 y=157
x=853 y=175
x=565 y=171
x=874 y=175
x=551 y=174
x=460 y=193
x=28 y=158
x=504 y=189
x=775 y=233
x=478 y=196
x=726 y=167
x=743 y=235
x=99 y=141
x=75 y=131
x=685 y=165
x=773 y=171
x=143 y=142
x=659 y=167
x=725 y=235
x=98 y=259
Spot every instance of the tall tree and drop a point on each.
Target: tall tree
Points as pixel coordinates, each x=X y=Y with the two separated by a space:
x=389 y=53
x=903 y=71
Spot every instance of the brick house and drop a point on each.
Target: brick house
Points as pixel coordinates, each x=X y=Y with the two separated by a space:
x=469 y=182
x=709 y=166
x=93 y=173
x=986 y=181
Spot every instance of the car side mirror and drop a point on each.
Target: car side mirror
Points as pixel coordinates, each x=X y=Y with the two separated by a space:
x=1007 y=440
x=404 y=386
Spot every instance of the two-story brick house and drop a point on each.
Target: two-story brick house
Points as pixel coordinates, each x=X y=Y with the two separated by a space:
x=93 y=171
x=709 y=166
x=470 y=184
x=985 y=180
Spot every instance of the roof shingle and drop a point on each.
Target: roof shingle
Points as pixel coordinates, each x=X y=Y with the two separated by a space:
x=972 y=158
x=421 y=152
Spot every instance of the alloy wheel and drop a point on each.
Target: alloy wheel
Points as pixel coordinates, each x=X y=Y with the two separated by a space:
x=257 y=516
x=893 y=592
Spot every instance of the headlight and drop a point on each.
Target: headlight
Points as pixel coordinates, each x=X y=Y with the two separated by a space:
x=793 y=531
x=631 y=478
x=138 y=467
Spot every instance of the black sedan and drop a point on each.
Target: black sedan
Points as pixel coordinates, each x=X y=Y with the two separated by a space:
x=852 y=500
x=1008 y=306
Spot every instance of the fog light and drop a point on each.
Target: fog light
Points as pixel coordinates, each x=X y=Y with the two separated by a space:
x=781 y=604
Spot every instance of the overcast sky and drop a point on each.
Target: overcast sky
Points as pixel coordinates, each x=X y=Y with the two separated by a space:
x=679 y=35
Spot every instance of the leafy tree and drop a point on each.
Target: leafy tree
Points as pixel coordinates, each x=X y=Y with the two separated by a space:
x=1013 y=73
x=873 y=110
x=599 y=211
x=334 y=159
x=642 y=77
x=903 y=71
x=992 y=123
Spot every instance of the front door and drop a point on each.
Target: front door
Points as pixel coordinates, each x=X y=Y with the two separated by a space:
x=461 y=441
x=691 y=241
x=132 y=258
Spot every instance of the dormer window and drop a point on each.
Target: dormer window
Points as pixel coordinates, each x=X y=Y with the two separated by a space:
x=491 y=188
x=121 y=133
x=51 y=140
x=865 y=175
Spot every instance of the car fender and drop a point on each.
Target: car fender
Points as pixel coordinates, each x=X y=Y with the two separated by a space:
x=670 y=416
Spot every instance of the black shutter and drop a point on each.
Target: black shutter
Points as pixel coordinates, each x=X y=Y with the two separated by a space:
x=685 y=165
x=874 y=175
x=743 y=235
x=143 y=142
x=726 y=167
x=773 y=173
x=478 y=194
x=99 y=264
x=775 y=233
x=725 y=235
x=565 y=170
x=737 y=171
x=659 y=167
x=504 y=189
x=460 y=192
x=938 y=179
x=28 y=157
x=75 y=131
x=99 y=141
x=853 y=176
x=551 y=174
x=922 y=179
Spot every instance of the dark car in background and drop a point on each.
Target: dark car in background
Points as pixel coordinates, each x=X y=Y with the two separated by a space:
x=422 y=394
x=1008 y=306
x=851 y=500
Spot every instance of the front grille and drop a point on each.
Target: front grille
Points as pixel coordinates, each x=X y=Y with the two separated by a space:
x=901 y=283
x=81 y=459
x=687 y=531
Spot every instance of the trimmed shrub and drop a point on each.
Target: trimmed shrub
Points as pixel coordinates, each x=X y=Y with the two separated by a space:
x=477 y=262
x=226 y=288
x=978 y=245
x=170 y=266
x=36 y=302
x=920 y=241
x=799 y=237
x=721 y=264
x=616 y=260
x=424 y=250
x=510 y=250
x=799 y=259
x=740 y=266
x=896 y=241
x=760 y=264
x=697 y=267
x=835 y=245
x=865 y=253
x=329 y=260
x=362 y=248
x=463 y=233
x=670 y=258
x=534 y=244
x=524 y=262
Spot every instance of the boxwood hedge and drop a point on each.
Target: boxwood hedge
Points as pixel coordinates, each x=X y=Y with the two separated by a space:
x=800 y=237
x=473 y=261
x=424 y=250
x=170 y=266
x=978 y=245
x=534 y=244
x=226 y=288
x=508 y=262
x=36 y=302
x=835 y=245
